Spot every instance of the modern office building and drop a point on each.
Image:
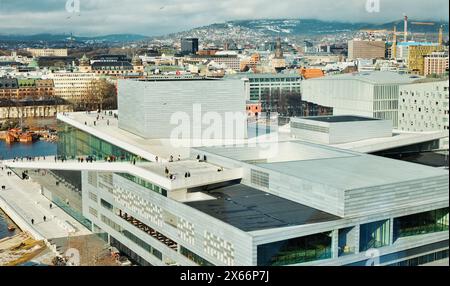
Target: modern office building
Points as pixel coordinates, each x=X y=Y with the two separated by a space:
x=365 y=49
x=260 y=86
x=423 y=106
x=255 y=203
x=436 y=63
x=228 y=61
x=72 y=86
x=189 y=46
x=369 y=94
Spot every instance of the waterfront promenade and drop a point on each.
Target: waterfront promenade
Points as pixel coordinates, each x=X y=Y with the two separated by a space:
x=22 y=201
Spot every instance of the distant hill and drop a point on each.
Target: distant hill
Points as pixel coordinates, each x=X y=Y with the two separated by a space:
x=294 y=27
x=62 y=38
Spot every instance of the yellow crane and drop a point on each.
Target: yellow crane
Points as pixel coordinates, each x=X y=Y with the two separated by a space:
x=423 y=23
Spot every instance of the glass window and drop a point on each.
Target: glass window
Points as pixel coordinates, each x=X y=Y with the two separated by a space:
x=422 y=223
x=194 y=257
x=374 y=235
x=296 y=250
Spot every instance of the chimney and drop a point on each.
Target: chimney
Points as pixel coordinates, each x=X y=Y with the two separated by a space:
x=406 y=30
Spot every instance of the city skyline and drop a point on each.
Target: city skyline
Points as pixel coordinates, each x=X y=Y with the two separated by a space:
x=155 y=18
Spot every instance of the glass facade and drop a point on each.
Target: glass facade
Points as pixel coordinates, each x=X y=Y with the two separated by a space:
x=74 y=142
x=128 y=252
x=374 y=235
x=296 y=250
x=194 y=257
x=424 y=259
x=144 y=183
x=142 y=244
x=422 y=223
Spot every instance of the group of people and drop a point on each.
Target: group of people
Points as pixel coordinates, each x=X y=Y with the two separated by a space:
x=61 y=158
x=171 y=158
x=199 y=158
x=28 y=158
x=44 y=218
x=88 y=159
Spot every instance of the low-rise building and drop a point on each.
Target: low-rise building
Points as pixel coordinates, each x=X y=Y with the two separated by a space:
x=47 y=52
x=331 y=130
x=368 y=94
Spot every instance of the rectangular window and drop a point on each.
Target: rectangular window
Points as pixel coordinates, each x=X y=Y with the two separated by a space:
x=93 y=197
x=260 y=178
x=296 y=250
x=422 y=223
x=194 y=257
x=93 y=212
x=374 y=235
x=106 y=205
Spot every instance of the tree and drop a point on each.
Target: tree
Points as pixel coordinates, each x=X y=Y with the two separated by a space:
x=101 y=94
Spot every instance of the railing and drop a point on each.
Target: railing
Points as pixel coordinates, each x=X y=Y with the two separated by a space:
x=150 y=231
x=295 y=257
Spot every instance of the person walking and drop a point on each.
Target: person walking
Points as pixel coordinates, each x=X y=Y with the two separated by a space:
x=45 y=218
x=32 y=221
x=51 y=206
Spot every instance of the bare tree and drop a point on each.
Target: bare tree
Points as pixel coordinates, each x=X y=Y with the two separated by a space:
x=101 y=94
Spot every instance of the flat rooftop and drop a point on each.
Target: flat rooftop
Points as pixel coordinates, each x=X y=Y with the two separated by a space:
x=339 y=118
x=341 y=169
x=355 y=172
x=277 y=152
x=375 y=77
x=249 y=209
x=143 y=147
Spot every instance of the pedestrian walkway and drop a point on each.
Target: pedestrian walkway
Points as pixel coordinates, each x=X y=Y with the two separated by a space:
x=24 y=198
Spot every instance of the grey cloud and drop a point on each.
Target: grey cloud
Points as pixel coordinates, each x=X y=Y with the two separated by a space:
x=150 y=17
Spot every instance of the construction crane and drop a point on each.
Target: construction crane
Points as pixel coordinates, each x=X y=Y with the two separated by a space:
x=423 y=23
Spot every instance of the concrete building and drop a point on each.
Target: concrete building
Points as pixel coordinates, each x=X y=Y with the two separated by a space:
x=436 y=63
x=232 y=62
x=423 y=106
x=273 y=203
x=47 y=52
x=161 y=101
x=364 y=49
x=369 y=94
x=331 y=130
x=303 y=205
x=72 y=86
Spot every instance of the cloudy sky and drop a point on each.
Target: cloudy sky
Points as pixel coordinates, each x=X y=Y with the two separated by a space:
x=157 y=17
